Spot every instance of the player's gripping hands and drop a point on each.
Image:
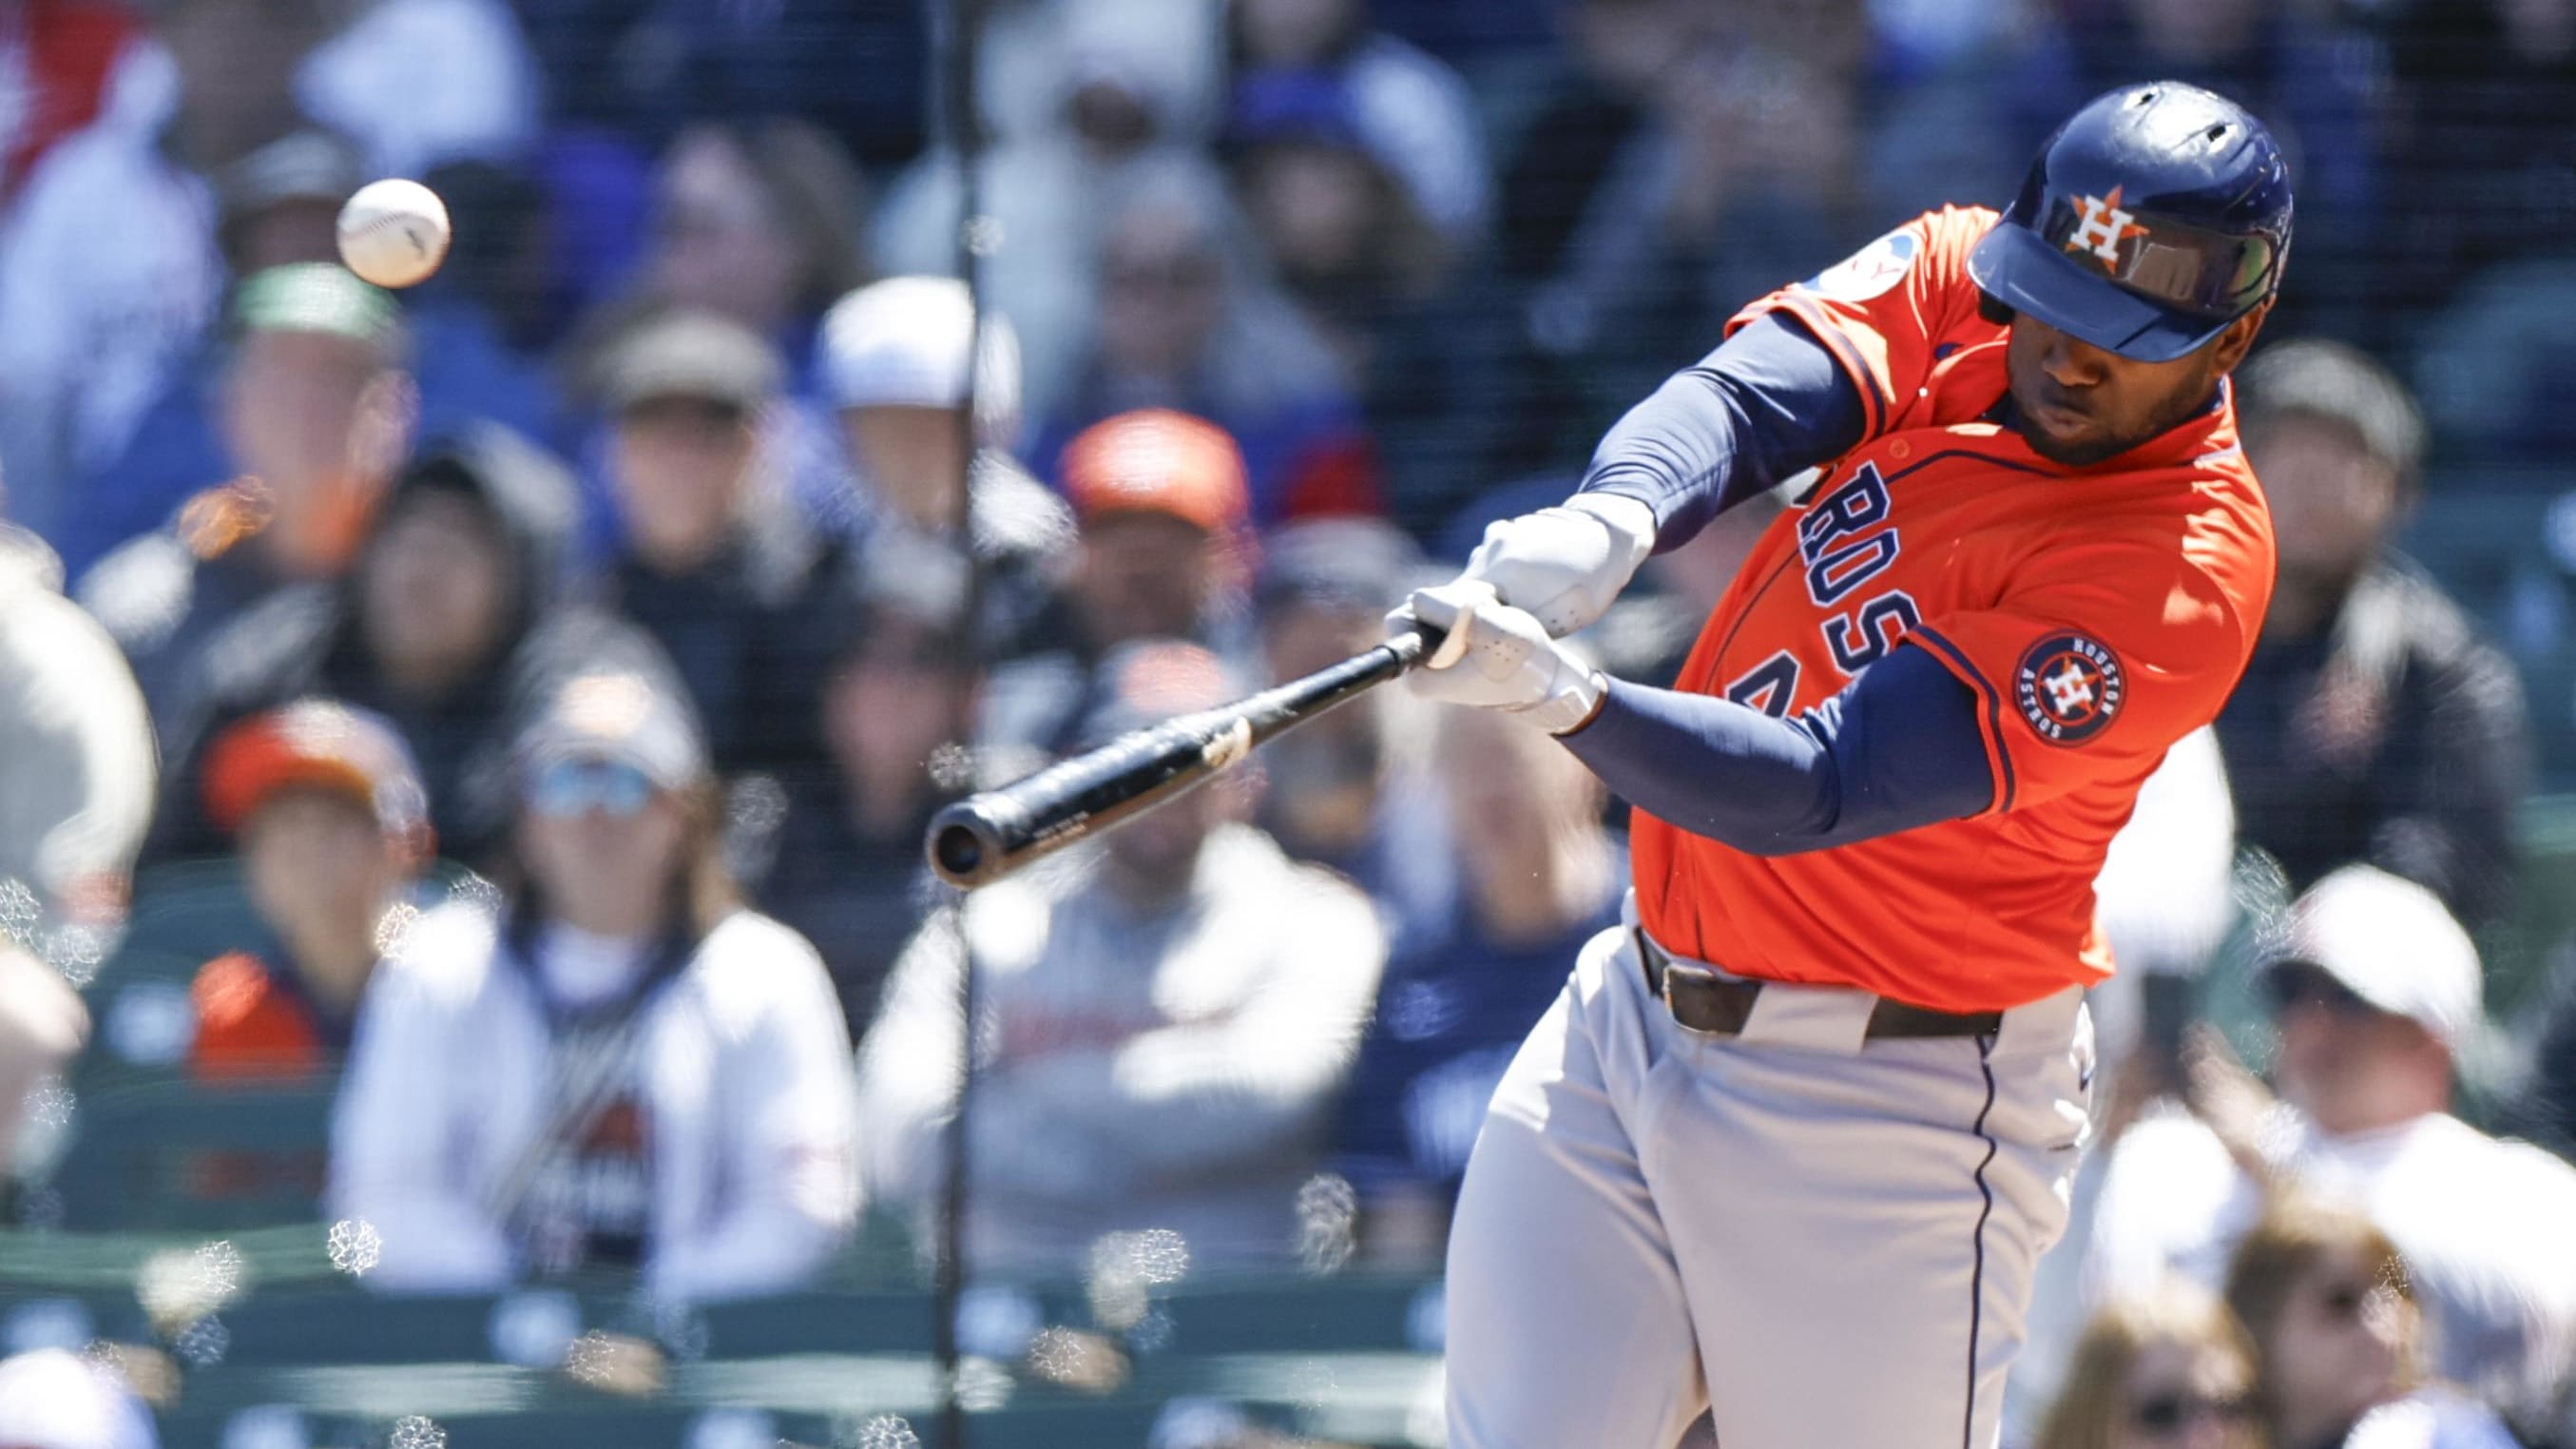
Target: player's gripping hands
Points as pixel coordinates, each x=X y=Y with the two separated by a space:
x=1497 y=657
x=1564 y=565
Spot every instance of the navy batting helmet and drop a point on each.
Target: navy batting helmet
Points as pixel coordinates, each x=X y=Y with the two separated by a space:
x=2154 y=217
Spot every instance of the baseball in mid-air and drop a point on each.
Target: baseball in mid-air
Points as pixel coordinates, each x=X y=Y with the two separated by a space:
x=393 y=232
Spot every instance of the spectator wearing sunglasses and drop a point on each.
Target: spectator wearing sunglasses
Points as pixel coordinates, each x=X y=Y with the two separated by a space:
x=620 y=1068
x=2374 y=991
x=2168 y=1369
x=2338 y=1337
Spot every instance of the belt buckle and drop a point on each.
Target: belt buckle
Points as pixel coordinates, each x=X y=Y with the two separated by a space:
x=1659 y=970
x=1700 y=975
x=1664 y=968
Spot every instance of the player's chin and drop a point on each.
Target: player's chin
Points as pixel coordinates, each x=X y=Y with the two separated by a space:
x=2073 y=444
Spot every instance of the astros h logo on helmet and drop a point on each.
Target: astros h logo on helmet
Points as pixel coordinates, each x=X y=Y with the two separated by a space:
x=2102 y=226
x=2069 y=688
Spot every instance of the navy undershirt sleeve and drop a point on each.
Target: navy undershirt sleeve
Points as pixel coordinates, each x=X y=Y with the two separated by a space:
x=1899 y=747
x=1768 y=404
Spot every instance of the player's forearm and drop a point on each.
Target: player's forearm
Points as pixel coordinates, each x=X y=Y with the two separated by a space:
x=1767 y=404
x=1898 y=749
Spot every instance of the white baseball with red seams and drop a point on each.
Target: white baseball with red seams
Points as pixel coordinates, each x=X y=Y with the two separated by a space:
x=394 y=232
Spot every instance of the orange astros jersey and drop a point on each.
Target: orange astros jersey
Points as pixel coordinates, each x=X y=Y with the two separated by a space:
x=2098 y=614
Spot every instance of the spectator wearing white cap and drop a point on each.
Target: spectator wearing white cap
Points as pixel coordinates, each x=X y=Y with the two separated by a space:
x=52 y=1399
x=902 y=362
x=2375 y=995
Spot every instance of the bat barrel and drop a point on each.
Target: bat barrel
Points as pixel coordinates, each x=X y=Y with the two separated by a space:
x=987 y=835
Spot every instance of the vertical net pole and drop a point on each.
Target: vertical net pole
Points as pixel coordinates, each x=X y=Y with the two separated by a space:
x=957 y=24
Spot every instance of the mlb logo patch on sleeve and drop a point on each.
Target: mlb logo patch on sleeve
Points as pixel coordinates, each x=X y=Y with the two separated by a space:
x=2068 y=687
x=1868 y=272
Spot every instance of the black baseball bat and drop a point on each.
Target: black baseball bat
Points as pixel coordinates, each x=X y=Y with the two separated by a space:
x=992 y=833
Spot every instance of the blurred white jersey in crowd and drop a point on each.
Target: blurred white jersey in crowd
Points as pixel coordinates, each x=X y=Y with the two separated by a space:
x=1139 y=1070
x=735 y=1101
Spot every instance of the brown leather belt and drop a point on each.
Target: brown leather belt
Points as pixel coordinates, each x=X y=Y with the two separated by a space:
x=1719 y=1006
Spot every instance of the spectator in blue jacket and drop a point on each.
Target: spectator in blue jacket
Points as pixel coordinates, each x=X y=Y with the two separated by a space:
x=1542 y=877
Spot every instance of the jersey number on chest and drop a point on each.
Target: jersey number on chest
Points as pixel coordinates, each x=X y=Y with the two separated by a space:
x=1844 y=541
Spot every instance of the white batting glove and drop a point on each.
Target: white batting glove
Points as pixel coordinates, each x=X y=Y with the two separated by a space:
x=1497 y=657
x=1564 y=565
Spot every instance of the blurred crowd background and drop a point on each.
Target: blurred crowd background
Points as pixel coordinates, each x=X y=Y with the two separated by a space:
x=466 y=965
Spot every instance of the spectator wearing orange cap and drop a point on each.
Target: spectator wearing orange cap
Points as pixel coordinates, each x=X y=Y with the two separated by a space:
x=1185 y=316
x=330 y=826
x=1163 y=507
x=333 y=828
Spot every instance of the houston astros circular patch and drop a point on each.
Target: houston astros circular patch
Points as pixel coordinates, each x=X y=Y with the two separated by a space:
x=2068 y=686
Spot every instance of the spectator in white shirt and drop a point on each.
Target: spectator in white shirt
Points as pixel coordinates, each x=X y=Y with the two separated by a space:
x=623 y=1067
x=2375 y=990
x=76 y=776
x=1170 y=1017
x=357 y=81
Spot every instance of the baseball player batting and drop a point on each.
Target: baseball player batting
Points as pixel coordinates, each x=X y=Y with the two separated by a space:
x=1789 y=1145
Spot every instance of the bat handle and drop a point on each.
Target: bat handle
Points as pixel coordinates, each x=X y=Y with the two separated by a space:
x=1416 y=647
